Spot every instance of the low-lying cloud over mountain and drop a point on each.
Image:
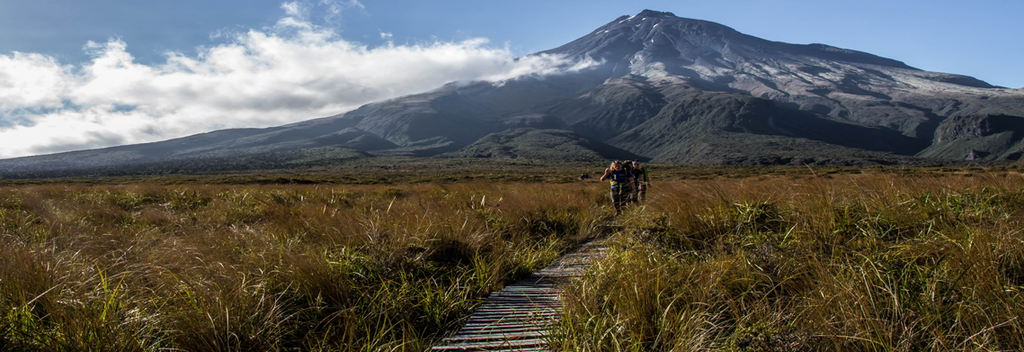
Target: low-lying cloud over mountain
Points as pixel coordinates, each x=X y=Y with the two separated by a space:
x=272 y=76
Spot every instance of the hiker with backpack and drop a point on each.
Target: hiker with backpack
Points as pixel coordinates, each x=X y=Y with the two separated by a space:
x=642 y=181
x=628 y=166
x=622 y=184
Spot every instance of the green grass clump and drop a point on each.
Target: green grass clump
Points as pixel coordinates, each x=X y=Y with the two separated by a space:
x=857 y=262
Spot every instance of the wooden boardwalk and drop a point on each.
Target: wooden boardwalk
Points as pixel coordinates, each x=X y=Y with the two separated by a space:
x=519 y=317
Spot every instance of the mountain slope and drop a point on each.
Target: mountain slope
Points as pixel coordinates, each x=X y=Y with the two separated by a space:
x=223 y=146
x=979 y=137
x=530 y=143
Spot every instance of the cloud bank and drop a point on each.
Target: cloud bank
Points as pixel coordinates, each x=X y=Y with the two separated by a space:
x=291 y=72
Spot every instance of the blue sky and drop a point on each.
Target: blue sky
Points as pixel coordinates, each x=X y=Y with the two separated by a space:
x=91 y=73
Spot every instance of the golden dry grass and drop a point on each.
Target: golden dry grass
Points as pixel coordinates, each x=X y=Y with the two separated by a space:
x=232 y=268
x=875 y=260
x=854 y=262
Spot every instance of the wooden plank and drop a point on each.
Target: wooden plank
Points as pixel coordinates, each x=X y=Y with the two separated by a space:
x=498 y=337
x=485 y=346
x=506 y=330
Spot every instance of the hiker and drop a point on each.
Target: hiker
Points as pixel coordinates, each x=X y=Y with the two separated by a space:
x=642 y=181
x=621 y=184
x=628 y=166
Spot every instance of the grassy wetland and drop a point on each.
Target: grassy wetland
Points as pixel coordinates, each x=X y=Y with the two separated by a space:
x=717 y=259
x=845 y=262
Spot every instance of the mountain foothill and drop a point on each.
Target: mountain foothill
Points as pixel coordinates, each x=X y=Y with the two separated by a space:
x=659 y=88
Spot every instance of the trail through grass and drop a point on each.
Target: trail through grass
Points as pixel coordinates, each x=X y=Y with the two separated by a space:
x=874 y=260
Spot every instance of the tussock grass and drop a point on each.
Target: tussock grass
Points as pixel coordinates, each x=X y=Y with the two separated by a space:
x=855 y=262
x=786 y=260
x=272 y=267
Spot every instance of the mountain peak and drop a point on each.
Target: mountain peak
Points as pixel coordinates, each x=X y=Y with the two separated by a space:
x=648 y=20
x=668 y=44
x=654 y=14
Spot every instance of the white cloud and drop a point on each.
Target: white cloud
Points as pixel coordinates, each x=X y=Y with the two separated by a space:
x=335 y=7
x=31 y=80
x=292 y=72
x=293 y=9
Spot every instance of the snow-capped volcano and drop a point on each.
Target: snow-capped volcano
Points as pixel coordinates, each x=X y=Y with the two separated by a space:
x=840 y=84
